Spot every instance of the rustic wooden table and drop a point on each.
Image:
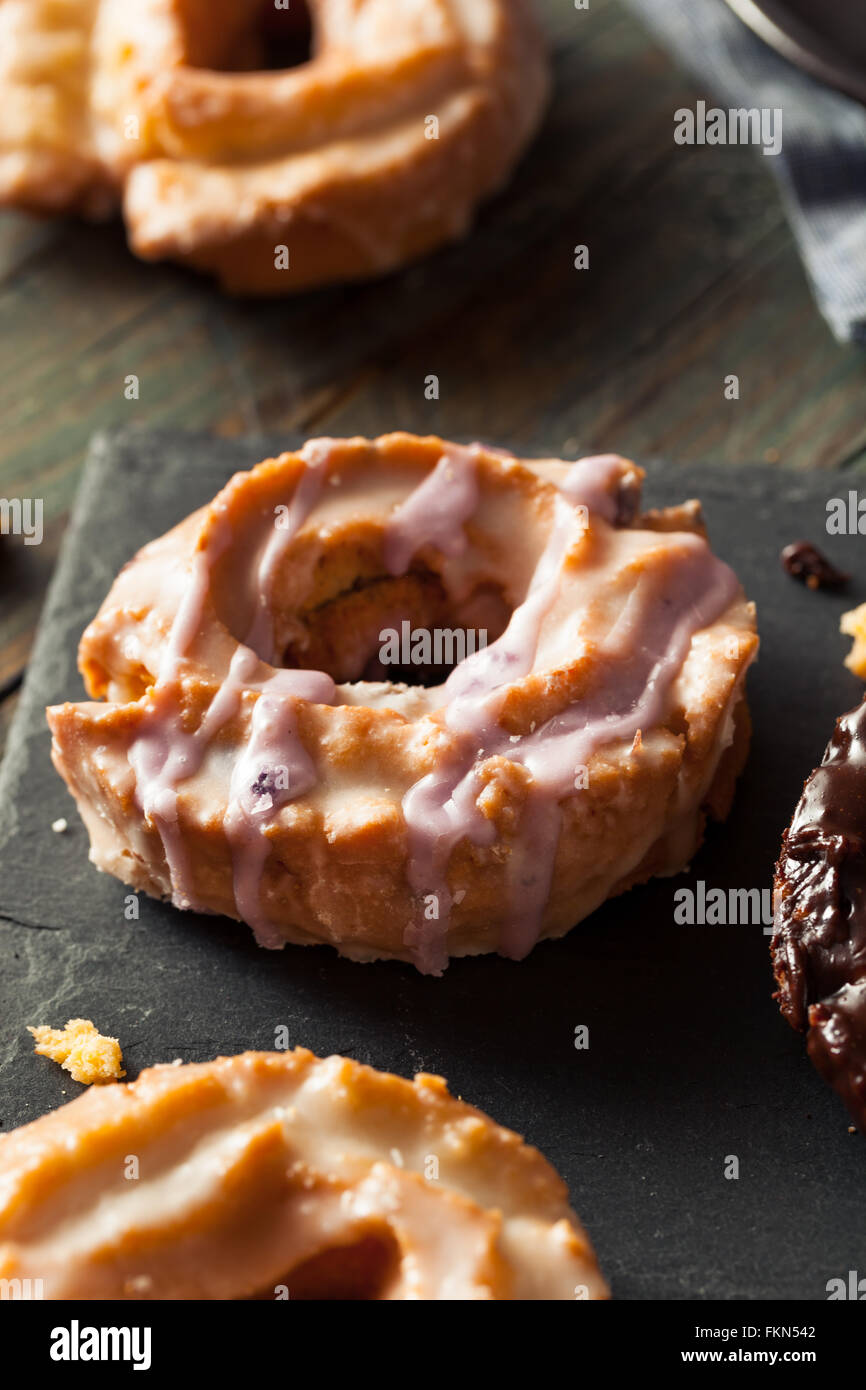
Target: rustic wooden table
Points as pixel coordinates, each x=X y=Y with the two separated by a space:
x=693 y=276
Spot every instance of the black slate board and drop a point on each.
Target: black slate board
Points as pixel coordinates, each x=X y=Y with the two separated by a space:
x=689 y=1061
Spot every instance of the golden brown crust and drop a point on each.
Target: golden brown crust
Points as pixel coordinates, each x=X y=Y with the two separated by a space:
x=276 y=1174
x=337 y=863
x=367 y=156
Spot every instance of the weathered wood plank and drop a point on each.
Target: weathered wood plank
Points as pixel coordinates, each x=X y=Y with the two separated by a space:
x=7 y=710
x=693 y=276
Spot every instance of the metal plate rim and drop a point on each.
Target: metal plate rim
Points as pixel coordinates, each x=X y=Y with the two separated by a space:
x=772 y=22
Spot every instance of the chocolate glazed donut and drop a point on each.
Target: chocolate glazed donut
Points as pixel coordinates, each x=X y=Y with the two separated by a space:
x=819 y=944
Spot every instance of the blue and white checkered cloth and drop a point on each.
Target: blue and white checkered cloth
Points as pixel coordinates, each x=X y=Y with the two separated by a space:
x=821 y=168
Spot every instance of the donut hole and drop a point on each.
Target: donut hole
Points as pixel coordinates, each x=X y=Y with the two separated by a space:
x=326 y=598
x=246 y=35
x=286 y=36
x=356 y=1272
x=405 y=629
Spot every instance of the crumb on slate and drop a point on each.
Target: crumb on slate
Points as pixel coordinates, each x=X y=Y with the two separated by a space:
x=60 y=826
x=853 y=624
x=81 y=1050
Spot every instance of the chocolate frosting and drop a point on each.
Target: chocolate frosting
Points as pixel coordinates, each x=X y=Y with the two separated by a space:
x=819 y=943
x=837 y=1045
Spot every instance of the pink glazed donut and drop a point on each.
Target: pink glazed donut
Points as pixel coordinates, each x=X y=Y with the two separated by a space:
x=244 y=755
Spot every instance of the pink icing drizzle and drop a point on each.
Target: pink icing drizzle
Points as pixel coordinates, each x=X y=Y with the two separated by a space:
x=164 y=754
x=644 y=650
x=275 y=751
x=304 y=499
x=588 y=483
x=434 y=513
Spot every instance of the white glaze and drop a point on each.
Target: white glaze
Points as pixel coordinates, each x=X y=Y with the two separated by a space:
x=207 y=1216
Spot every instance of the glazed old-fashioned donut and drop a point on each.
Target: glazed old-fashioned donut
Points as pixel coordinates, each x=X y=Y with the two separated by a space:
x=376 y=150
x=244 y=755
x=276 y=1175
